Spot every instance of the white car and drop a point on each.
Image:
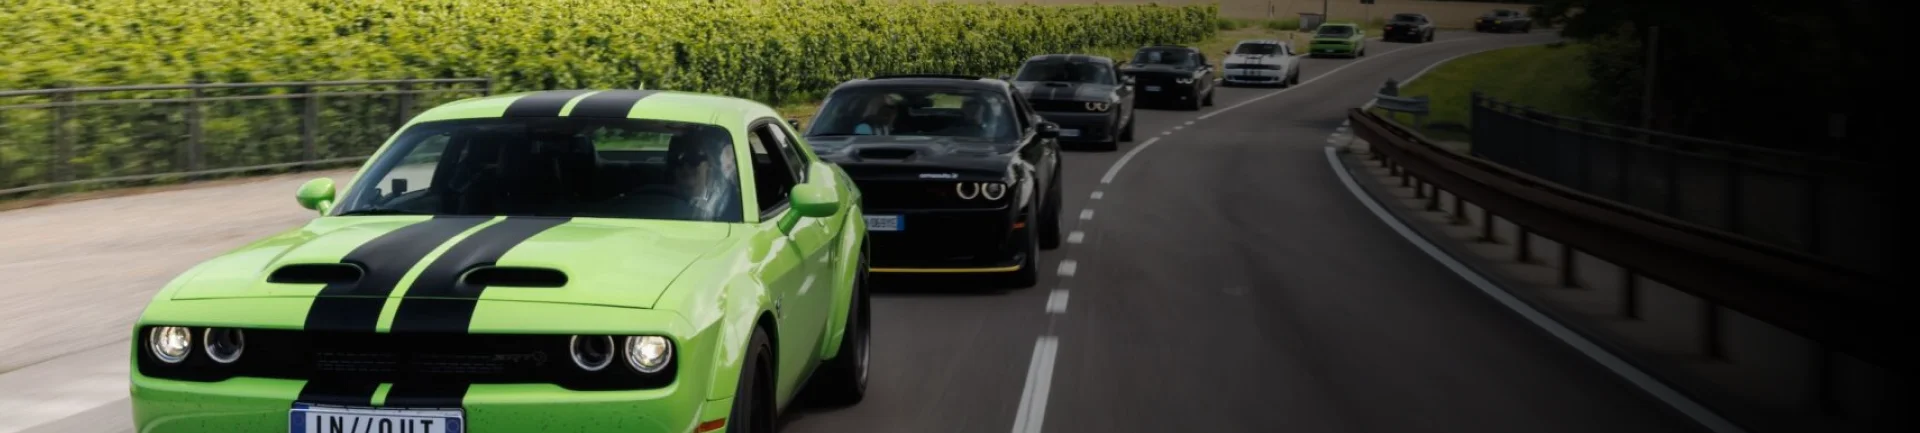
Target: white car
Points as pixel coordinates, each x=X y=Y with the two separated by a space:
x=1264 y=62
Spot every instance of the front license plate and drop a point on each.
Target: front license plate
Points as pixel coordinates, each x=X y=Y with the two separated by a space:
x=1153 y=88
x=324 y=419
x=883 y=223
x=1069 y=133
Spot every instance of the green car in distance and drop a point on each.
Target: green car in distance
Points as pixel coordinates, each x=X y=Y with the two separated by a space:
x=1345 y=39
x=582 y=261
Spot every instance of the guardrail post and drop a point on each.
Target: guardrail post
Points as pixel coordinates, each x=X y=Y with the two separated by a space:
x=1810 y=222
x=1822 y=382
x=1459 y=210
x=1673 y=175
x=1486 y=226
x=1433 y=197
x=1629 y=294
x=1523 y=245
x=62 y=139
x=1568 y=278
x=1710 y=330
x=1733 y=201
x=309 y=123
x=195 y=132
x=1419 y=188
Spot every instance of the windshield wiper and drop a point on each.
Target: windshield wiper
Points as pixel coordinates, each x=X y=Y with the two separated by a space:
x=378 y=211
x=834 y=135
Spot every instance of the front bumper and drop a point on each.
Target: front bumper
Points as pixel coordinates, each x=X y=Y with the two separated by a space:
x=1332 y=48
x=1253 y=76
x=946 y=241
x=264 y=405
x=1167 y=91
x=1085 y=127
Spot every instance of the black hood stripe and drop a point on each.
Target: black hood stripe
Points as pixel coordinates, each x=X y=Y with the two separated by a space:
x=543 y=104
x=450 y=308
x=611 y=104
x=356 y=306
x=421 y=393
x=336 y=392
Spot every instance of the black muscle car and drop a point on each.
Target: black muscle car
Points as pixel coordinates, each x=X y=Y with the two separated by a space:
x=1415 y=28
x=1502 y=21
x=1172 y=73
x=1084 y=94
x=957 y=173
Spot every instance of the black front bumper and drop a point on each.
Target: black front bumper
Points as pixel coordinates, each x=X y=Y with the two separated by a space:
x=983 y=240
x=1167 y=91
x=1086 y=127
x=1401 y=35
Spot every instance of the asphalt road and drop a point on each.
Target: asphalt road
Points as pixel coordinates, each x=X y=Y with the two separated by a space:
x=1227 y=281
x=1224 y=280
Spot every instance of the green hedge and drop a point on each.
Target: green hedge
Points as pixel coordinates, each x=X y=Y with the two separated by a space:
x=778 y=52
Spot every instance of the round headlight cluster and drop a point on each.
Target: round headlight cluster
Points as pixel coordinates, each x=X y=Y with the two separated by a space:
x=645 y=353
x=174 y=344
x=1097 y=106
x=987 y=190
x=1183 y=80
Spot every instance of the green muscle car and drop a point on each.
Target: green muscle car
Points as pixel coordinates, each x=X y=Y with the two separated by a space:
x=582 y=261
x=1345 y=39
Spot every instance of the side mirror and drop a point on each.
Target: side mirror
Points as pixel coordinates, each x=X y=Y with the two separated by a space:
x=316 y=194
x=1049 y=130
x=795 y=123
x=810 y=200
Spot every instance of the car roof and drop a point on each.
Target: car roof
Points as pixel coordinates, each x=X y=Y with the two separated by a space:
x=1260 y=41
x=1169 y=47
x=1088 y=58
x=1339 y=24
x=925 y=80
x=692 y=107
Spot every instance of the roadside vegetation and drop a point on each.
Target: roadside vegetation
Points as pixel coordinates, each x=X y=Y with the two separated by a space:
x=1545 y=77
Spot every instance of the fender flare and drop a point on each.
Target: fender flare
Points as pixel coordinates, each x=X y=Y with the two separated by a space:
x=853 y=235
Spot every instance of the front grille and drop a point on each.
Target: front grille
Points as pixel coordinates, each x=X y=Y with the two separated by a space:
x=911 y=195
x=412 y=357
x=1251 y=66
x=958 y=236
x=1061 y=106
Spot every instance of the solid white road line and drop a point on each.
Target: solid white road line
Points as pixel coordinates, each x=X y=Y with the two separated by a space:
x=1600 y=355
x=1067 y=267
x=1033 y=399
x=1076 y=237
x=1115 y=169
x=1057 y=302
x=1328 y=74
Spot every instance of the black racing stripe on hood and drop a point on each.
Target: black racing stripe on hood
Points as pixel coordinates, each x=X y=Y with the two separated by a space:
x=543 y=104
x=426 y=394
x=438 y=301
x=610 y=104
x=336 y=392
x=355 y=306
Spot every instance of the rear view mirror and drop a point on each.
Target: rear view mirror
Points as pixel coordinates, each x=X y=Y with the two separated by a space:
x=1049 y=130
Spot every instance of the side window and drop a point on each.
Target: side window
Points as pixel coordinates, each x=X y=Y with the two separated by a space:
x=789 y=151
x=773 y=179
x=1022 y=110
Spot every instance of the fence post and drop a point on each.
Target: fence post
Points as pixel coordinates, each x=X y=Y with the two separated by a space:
x=487 y=86
x=195 y=132
x=62 y=139
x=403 y=105
x=309 y=123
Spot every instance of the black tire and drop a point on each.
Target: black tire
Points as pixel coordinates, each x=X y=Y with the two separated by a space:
x=1050 y=222
x=1029 y=273
x=1126 y=132
x=1429 y=36
x=1193 y=103
x=842 y=381
x=753 y=402
x=1296 y=77
x=1209 y=99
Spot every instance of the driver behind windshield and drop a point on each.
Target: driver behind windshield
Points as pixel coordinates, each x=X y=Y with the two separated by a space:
x=878 y=117
x=701 y=163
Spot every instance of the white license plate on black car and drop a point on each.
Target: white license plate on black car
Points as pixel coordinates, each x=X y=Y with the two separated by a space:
x=1153 y=88
x=884 y=223
x=1069 y=133
x=306 y=418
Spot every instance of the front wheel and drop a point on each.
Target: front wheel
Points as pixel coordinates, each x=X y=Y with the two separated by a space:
x=1209 y=99
x=1029 y=273
x=1126 y=132
x=753 y=407
x=1050 y=223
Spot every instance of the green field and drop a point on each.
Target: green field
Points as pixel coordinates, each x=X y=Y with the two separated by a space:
x=1536 y=76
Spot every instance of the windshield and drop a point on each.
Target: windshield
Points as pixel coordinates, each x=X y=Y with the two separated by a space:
x=972 y=116
x=1164 y=57
x=1262 y=49
x=1403 y=18
x=558 y=166
x=1336 y=31
x=1067 y=71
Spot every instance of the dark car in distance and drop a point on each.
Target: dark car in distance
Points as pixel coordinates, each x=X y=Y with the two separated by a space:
x=1415 y=28
x=957 y=174
x=1172 y=73
x=1085 y=95
x=1503 y=20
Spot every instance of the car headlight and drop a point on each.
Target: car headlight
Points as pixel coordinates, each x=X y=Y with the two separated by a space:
x=985 y=190
x=649 y=353
x=993 y=190
x=1097 y=106
x=591 y=353
x=224 y=345
x=170 y=344
x=1183 y=80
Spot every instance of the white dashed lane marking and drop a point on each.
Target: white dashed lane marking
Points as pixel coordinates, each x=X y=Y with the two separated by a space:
x=1097 y=194
x=1086 y=214
x=1067 y=267
x=1076 y=237
x=1057 y=303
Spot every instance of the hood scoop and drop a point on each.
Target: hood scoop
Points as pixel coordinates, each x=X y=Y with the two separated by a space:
x=885 y=153
x=317 y=273
x=513 y=276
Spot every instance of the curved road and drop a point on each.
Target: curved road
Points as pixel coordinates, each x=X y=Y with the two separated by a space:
x=1224 y=280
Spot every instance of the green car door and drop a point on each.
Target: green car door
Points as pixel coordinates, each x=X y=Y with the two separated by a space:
x=798 y=261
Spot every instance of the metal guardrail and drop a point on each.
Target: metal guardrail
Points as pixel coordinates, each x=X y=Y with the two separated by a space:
x=1841 y=309
x=66 y=137
x=1817 y=205
x=1388 y=98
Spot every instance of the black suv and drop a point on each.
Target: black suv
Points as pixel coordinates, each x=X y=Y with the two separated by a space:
x=956 y=173
x=1172 y=73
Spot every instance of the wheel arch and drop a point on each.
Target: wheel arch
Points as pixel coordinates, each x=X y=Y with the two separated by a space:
x=846 y=272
